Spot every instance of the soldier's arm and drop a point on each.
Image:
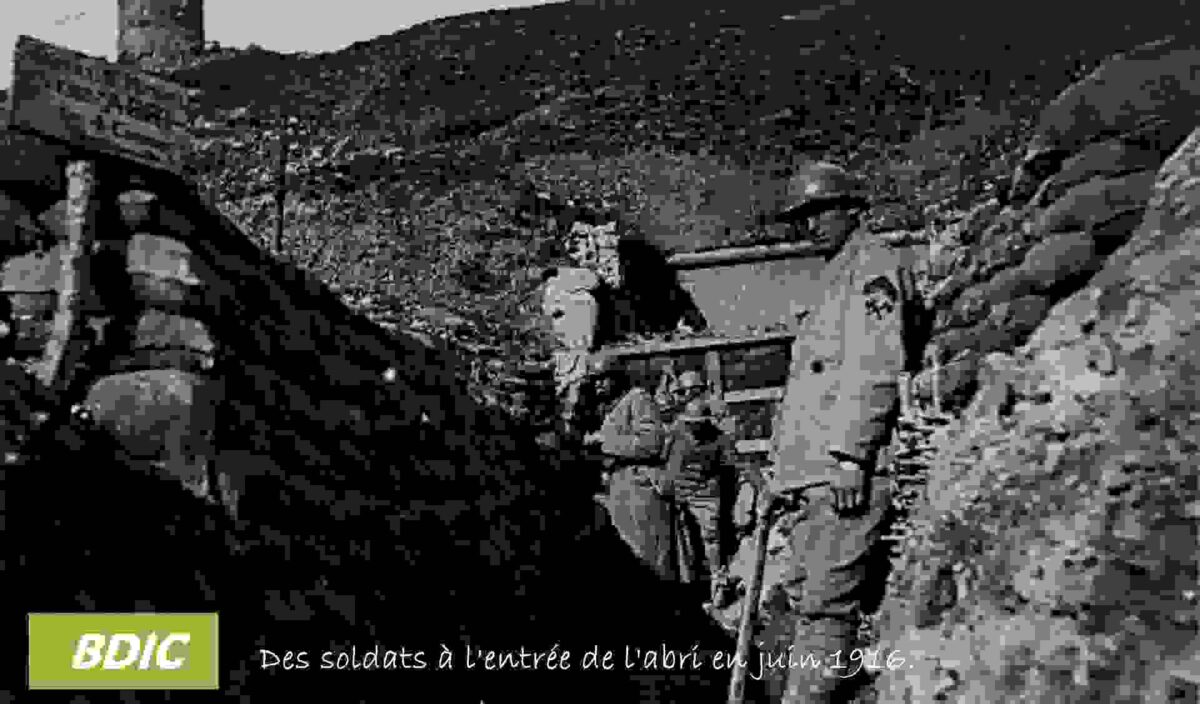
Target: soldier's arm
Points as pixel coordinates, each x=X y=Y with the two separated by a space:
x=641 y=438
x=869 y=411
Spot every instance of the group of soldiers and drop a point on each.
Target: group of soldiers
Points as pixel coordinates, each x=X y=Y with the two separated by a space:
x=667 y=475
x=839 y=409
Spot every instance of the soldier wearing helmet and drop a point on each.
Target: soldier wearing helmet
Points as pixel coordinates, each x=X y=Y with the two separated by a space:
x=688 y=387
x=838 y=412
x=823 y=203
x=697 y=477
x=631 y=439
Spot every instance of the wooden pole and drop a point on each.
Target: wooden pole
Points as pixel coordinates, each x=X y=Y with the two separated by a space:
x=749 y=253
x=63 y=347
x=936 y=385
x=762 y=530
x=905 y=382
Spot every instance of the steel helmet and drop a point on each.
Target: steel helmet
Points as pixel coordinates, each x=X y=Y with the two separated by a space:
x=817 y=186
x=689 y=380
x=695 y=411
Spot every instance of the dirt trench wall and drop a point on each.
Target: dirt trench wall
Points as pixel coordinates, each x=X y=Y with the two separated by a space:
x=1077 y=198
x=1055 y=556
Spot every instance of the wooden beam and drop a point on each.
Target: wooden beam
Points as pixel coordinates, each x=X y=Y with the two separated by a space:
x=192 y=361
x=906 y=407
x=742 y=255
x=753 y=445
x=765 y=393
x=655 y=347
x=712 y=366
x=66 y=337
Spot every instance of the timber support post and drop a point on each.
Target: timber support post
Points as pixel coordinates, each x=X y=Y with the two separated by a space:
x=67 y=339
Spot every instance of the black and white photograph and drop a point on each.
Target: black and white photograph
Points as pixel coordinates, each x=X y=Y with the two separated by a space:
x=622 y=351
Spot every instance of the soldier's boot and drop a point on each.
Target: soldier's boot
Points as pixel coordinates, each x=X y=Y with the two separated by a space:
x=816 y=646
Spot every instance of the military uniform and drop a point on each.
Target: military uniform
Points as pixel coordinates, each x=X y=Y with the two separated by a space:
x=840 y=406
x=696 y=477
x=632 y=435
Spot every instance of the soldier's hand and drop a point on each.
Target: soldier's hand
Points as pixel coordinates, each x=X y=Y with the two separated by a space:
x=848 y=487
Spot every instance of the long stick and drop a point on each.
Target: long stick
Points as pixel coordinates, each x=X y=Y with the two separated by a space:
x=76 y=281
x=762 y=529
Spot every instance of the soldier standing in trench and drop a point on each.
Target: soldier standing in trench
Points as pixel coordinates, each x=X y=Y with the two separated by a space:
x=838 y=412
x=631 y=437
x=697 y=462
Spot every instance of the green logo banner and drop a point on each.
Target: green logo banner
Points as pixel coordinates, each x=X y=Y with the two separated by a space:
x=123 y=651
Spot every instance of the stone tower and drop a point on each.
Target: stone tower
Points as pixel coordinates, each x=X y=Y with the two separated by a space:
x=156 y=34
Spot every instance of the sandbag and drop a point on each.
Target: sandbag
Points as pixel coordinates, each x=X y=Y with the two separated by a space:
x=1091 y=204
x=1158 y=79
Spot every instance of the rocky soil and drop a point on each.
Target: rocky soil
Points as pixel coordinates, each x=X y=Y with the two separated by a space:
x=1056 y=558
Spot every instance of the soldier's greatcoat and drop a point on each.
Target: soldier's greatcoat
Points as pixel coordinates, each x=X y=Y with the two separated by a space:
x=633 y=436
x=842 y=393
x=840 y=404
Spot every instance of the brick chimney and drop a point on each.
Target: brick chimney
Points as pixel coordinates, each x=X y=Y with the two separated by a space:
x=157 y=34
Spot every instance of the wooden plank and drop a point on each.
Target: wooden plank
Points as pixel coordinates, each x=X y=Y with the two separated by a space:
x=766 y=393
x=192 y=361
x=655 y=347
x=712 y=368
x=906 y=406
x=727 y=256
x=750 y=446
x=66 y=343
x=99 y=105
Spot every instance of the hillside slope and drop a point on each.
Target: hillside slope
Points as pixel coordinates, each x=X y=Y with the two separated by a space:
x=408 y=150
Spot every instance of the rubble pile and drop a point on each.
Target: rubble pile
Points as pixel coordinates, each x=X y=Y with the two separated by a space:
x=595 y=247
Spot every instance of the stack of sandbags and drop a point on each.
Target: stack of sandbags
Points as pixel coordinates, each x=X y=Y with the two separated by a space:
x=1078 y=194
